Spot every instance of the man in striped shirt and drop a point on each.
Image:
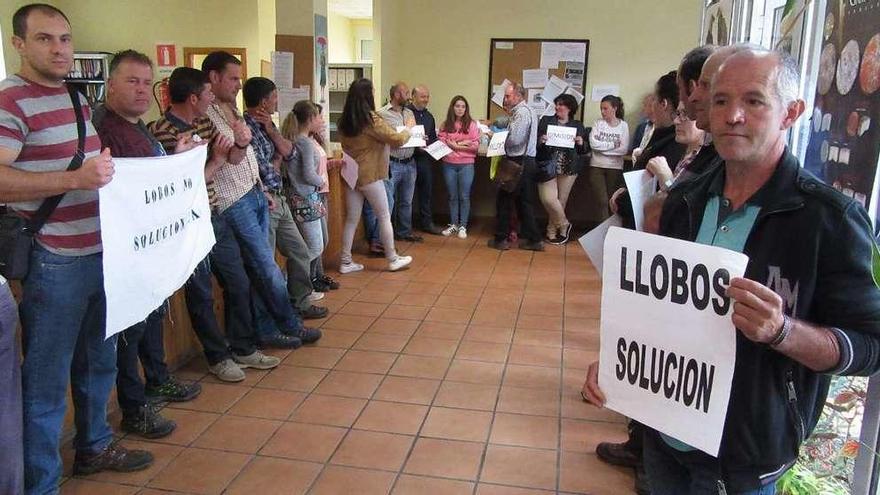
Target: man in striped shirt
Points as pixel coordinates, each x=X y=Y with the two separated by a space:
x=63 y=305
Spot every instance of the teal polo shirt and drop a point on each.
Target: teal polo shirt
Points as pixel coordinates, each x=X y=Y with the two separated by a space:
x=725 y=227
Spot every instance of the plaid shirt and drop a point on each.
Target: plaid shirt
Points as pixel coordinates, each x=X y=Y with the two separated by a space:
x=264 y=149
x=233 y=180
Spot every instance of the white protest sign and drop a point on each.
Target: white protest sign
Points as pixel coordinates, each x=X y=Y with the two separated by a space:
x=416 y=136
x=561 y=136
x=670 y=364
x=640 y=185
x=593 y=242
x=155 y=228
x=496 y=144
x=438 y=149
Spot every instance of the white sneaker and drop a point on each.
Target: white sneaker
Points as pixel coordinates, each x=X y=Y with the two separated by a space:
x=399 y=263
x=450 y=230
x=227 y=371
x=316 y=296
x=462 y=232
x=350 y=267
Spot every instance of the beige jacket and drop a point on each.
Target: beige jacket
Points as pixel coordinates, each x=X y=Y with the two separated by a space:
x=368 y=149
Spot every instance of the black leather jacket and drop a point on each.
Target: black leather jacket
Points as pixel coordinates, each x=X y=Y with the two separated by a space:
x=812 y=246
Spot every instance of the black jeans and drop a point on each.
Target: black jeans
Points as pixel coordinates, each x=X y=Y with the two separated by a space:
x=422 y=212
x=11 y=440
x=523 y=199
x=144 y=342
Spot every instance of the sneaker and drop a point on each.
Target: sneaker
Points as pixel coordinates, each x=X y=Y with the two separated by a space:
x=146 y=421
x=531 y=245
x=502 y=245
x=556 y=241
x=399 y=263
x=279 y=340
x=350 y=267
x=257 y=360
x=565 y=234
x=316 y=296
x=227 y=371
x=462 y=232
x=172 y=391
x=306 y=335
x=324 y=284
x=450 y=230
x=314 y=312
x=114 y=457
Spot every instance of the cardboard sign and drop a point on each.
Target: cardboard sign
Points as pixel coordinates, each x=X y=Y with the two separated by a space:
x=496 y=144
x=561 y=136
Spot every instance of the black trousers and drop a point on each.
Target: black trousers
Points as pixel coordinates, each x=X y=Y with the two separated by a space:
x=422 y=211
x=522 y=199
x=141 y=342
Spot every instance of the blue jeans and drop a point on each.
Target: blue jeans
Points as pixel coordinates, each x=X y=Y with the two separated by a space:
x=459 y=179
x=62 y=318
x=371 y=223
x=248 y=219
x=11 y=443
x=403 y=186
x=672 y=472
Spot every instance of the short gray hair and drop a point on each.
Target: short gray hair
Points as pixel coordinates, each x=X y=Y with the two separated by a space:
x=787 y=80
x=521 y=90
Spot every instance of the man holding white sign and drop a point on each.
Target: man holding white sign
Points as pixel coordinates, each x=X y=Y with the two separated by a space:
x=402 y=166
x=806 y=309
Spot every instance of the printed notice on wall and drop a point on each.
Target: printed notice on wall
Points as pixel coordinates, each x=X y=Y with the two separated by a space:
x=282 y=69
x=670 y=364
x=155 y=228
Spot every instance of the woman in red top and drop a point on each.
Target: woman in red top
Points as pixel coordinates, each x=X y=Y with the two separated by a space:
x=459 y=132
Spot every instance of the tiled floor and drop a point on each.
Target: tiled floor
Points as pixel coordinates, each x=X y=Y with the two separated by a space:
x=460 y=375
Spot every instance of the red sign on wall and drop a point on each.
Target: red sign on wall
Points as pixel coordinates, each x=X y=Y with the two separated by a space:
x=166 y=55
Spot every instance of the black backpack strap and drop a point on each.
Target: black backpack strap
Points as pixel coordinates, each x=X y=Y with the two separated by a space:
x=39 y=218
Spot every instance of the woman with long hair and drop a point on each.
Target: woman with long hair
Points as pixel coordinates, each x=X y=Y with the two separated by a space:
x=558 y=167
x=365 y=138
x=609 y=140
x=461 y=133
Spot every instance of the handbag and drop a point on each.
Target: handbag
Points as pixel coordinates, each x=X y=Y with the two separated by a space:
x=17 y=233
x=508 y=174
x=307 y=208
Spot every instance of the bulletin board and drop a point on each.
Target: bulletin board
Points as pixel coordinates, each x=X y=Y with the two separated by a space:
x=508 y=57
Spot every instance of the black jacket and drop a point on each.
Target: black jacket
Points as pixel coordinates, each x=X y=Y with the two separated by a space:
x=425 y=118
x=812 y=246
x=662 y=143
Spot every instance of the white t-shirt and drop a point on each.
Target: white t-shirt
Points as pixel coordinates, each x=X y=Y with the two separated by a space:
x=609 y=144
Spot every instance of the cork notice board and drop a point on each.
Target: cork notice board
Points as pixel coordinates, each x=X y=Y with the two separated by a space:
x=508 y=57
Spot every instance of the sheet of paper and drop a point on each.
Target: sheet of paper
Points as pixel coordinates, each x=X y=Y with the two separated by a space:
x=593 y=241
x=640 y=185
x=602 y=90
x=573 y=92
x=498 y=95
x=484 y=129
x=155 y=230
x=496 y=144
x=416 y=136
x=550 y=110
x=287 y=98
x=554 y=88
x=574 y=74
x=561 y=136
x=536 y=102
x=669 y=364
x=572 y=52
x=282 y=69
x=551 y=54
x=534 y=78
x=504 y=45
x=349 y=170
x=438 y=149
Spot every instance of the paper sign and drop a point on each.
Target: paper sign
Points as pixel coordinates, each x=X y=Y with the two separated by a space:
x=282 y=69
x=549 y=111
x=438 y=149
x=288 y=97
x=573 y=92
x=416 y=136
x=155 y=229
x=572 y=52
x=554 y=88
x=574 y=74
x=166 y=55
x=560 y=136
x=670 y=364
x=536 y=101
x=496 y=144
x=504 y=45
x=602 y=90
x=349 y=170
x=534 y=78
x=498 y=95
x=593 y=241
x=551 y=54
x=640 y=185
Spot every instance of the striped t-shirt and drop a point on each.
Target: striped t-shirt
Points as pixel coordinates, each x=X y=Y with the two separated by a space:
x=39 y=124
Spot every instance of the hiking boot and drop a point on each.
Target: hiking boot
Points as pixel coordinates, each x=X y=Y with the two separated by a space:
x=501 y=245
x=113 y=458
x=305 y=334
x=314 y=312
x=257 y=360
x=146 y=421
x=619 y=454
x=278 y=340
x=227 y=371
x=172 y=391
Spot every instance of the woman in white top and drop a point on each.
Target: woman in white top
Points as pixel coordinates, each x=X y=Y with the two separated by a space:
x=609 y=141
